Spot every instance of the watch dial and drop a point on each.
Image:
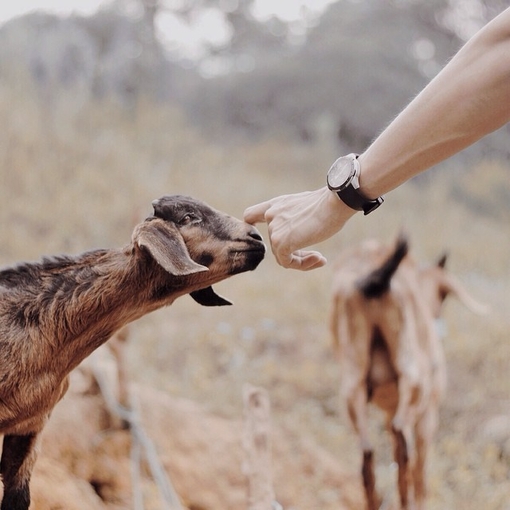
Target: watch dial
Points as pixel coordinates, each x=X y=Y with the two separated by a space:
x=340 y=172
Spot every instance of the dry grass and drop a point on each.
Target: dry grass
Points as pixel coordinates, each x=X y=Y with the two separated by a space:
x=74 y=182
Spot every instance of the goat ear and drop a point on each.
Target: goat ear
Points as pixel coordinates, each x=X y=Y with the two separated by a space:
x=442 y=260
x=207 y=297
x=453 y=286
x=166 y=246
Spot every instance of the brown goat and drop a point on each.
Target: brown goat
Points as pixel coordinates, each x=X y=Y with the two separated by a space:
x=383 y=323
x=54 y=313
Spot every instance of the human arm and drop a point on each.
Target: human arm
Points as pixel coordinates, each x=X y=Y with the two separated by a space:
x=467 y=100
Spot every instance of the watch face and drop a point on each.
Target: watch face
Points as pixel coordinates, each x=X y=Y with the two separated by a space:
x=340 y=173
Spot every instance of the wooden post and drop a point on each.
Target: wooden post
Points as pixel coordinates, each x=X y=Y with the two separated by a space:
x=257 y=447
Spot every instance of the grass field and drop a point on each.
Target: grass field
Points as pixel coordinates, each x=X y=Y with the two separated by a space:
x=75 y=182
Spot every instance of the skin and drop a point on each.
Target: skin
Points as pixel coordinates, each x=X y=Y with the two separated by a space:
x=467 y=100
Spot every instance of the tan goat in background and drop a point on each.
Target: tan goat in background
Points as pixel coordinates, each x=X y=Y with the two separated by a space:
x=383 y=322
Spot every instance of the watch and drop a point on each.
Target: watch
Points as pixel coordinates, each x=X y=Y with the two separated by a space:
x=343 y=179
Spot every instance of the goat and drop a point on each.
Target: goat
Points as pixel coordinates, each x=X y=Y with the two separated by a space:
x=383 y=327
x=54 y=313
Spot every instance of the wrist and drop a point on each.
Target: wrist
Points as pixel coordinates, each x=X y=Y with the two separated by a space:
x=369 y=183
x=344 y=180
x=336 y=207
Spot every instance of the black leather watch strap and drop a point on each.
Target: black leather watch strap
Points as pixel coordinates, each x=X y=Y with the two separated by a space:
x=355 y=200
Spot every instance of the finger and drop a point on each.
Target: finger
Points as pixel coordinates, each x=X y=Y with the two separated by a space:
x=314 y=262
x=256 y=213
x=303 y=260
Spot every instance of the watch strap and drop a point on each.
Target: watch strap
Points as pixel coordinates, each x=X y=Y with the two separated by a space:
x=356 y=200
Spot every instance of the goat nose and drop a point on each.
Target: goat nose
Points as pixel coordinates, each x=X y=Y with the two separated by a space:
x=254 y=234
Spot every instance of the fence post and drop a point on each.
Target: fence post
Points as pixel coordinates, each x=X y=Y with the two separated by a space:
x=257 y=448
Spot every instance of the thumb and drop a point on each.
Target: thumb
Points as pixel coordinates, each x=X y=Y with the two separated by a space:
x=256 y=213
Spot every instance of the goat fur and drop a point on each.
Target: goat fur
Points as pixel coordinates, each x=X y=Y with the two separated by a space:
x=54 y=313
x=383 y=324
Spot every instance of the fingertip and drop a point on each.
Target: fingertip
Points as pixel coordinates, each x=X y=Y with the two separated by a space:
x=320 y=263
x=255 y=213
x=314 y=261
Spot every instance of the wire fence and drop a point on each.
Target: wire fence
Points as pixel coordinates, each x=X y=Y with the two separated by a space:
x=257 y=464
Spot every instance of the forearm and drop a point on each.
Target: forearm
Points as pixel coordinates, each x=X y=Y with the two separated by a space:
x=467 y=100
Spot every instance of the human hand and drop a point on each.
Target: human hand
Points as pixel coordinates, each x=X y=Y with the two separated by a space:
x=300 y=220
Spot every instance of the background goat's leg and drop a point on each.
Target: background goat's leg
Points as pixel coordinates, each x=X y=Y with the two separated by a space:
x=358 y=412
x=419 y=471
x=408 y=395
x=425 y=430
x=402 y=459
x=367 y=471
x=18 y=458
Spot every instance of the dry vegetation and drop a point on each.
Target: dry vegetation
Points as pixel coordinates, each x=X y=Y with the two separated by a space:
x=77 y=177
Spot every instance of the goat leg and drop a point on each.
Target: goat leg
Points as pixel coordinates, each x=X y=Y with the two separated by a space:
x=424 y=431
x=358 y=413
x=402 y=458
x=367 y=472
x=18 y=458
x=420 y=490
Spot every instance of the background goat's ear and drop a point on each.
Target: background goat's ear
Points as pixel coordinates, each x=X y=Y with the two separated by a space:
x=451 y=285
x=207 y=297
x=166 y=246
x=442 y=260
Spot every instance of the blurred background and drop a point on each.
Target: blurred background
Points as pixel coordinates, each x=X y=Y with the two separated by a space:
x=105 y=106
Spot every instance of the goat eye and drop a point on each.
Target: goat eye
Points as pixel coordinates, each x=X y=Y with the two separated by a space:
x=188 y=219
